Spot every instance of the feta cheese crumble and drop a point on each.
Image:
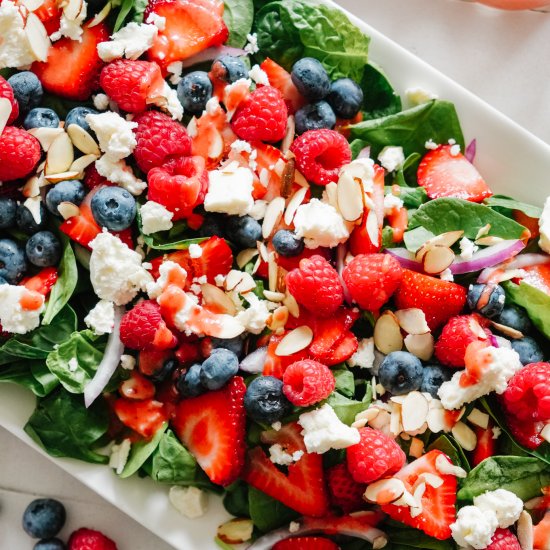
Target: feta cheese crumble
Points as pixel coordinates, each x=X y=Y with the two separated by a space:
x=191 y=502
x=258 y=76
x=119 y=455
x=101 y=102
x=391 y=203
x=157 y=20
x=364 y=356
x=504 y=504
x=467 y=248
x=155 y=217
x=175 y=70
x=195 y=251
x=127 y=362
x=544 y=227
x=119 y=172
x=279 y=456
x=474 y=527
x=71 y=28
x=252 y=44
x=255 y=318
x=391 y=158
x=230 y=190
x=131 y=42
x=14 y=315
x=114 y=133
x=101 y=319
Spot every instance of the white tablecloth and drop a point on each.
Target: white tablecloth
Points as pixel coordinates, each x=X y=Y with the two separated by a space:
x=501 y=56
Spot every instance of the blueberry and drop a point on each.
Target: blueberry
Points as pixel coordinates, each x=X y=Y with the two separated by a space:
x=244 y=231
x=65 y=191
x=286 y=243
x=345 y=97
x=528 y=350
x=514 y=317
x=189 y=383
x=432 y=378
x=219 y=368
x=114 y=208
x=194 y=91
x=212 y=225
x=229 y=68
x=232 y=344
x=44 y=518
x=165 y=371
x=264 y=400
x=50 y=544
x=8 y=208
x=13 y=262
x=493 y=304
x=25 y=220
x=401 y=372
x=43 y=249
x=41 y=117
x=311 y=78
x=78 y=116
x=315 y=116
x=27 y=89
x=3 y=281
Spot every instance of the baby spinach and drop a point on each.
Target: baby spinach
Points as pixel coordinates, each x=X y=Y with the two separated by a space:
x=536 y=302
x=268 y=513
x=238 y=16
x=501 y=201
x=173 y=239
x=346 y=408
x=31 y=374
x=380 y=99
x=407 y=173
x=141 y=451
x=415 y=238
x=452 y=450
x=412 y=197
x=66 y=428
x=345 y=383
x=235 y=500
x=405 y=538
x=412 y=128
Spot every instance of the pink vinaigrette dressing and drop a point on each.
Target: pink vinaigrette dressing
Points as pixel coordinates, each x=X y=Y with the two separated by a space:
x=31 y=300
x=477 y=362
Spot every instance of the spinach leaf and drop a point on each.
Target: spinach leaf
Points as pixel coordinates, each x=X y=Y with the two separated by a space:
x=411 y=129
x=505 y=202
x=235 y=500
x=524 y=476
x=448 y=214
x=65 y=284
x=125 y=9
x=454 y=452
x=536 y=302
x=238 y=16
x=65 y=427
x=75 y=361
x=404 y=538
x=345 y=383
x=268 y=513
x=33 y=375
x=345 y=408
x=356 y=146
x=141 y=451
x=412 y=197
x=379 y=97
x=138 y=10
x=415 y=238
x=407 y=173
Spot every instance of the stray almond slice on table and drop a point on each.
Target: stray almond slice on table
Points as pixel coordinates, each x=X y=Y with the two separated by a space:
x=296 y=340
x=385 y=491
x=387 y=333
x=236 y=531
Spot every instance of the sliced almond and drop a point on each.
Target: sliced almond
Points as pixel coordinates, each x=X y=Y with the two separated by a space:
x=278 y=319
x=350 y=197
x=545 y=432
x=192 y=127
x=524 y=531
x=414 y=411
x=412 y=321
x=60 y=155
x=418 y=493
x=292 y=305
x=230 y=327
x=381 y=422
x=437 y=421
x=490 y=240
x=272 y=272
x=421 y=252
x=244 y=256
x=62 y=176
x=296 y=200
x=274 y=296
x=331 y=190
x=483 y=231
x=478 y=418
x=289 y=134
x=236 y=531
x=83 y=140
x=384 y=491
x=420 y=345
x=5 y=112
x=430 y=479
x=372 y=227
x=33 y=205
x=32 y=5
x=31 y=188
x=273 y=214
x=368 y=414
x=396 y=426
x=38 y=38
x=214 y=296
x=437 y=258
x=300 y=179
x=446 y=239
x=215 y=149
x=262 y=249
x=68 y=210
x=296 y=340
x=379 y=542
x=477 y=329
x=508 y=331
x=399 y=399
x=246 y=284
x=46 y=136
x=444 y=466
x=287 y=177
x=407 y=499
x=81 y=163
x=72 y=9
x=232 y=279
x=387 y=333
x=101 y=16
x=464 y=436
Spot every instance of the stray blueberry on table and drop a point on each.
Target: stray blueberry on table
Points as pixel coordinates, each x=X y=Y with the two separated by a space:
x=345 y=97
x=401 y=372
x=315 y=116
x=13 y=263
x=50 y=544
x=514 y=317
x=528 y=349
x=232 y=344
x=229 y=68
x=265 y=401
x=194 y=90
x=311 y=78
x=114 y=208
x=44 y=518
x=432 y=378
x=219 y=368
x=25 y=220
x=8 y=208
x=41 y=117
x=286 y=243
x=78 y=116
x=72 y=191
x=488 y=301
x=189 y=383
x=27 y=89
x=43 y=249
x=244 y=231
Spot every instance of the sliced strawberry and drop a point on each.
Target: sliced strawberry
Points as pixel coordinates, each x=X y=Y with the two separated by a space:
x=41 y=282
x=137 y=387
x=73 y=67
x=343 y=351
x=444 y=174
x=276 y=365
x=485 y=446
x=399 y=220
x=144 y=417
x=303 y=489
x=212 y=427
x=306 y=543
x=438 y=505
x=82 y=228
x=126 y=237
x=538 y=276
x=532 y=224
x=190 y=28
x=235 y=94
x=152 y=361
x=328 y=333
x=49 y=12
x=216 y=259
x=280 y=78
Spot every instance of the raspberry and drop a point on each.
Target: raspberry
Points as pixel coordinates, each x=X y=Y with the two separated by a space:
x=143 y=328
x=262 y=116
x=6 y=91
x=504 y=539
x=19 y=153
x=371 y=279
x=131 y=83
x=344 y=491
x=316 y=286
x=88 y=539
x=320 y=154
x=457 y=335
x=306 y=543
x=307 y=382
x=179 y=185
x=92 y=178
x=375 y=456
x=159 y=138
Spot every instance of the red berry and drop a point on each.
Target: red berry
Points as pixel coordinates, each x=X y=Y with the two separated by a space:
x=320 y=154
x=88 y=539
x=19 y=153
x=528 y=393
x=159 y=139
x=281 y=79
x=316 y=286
x=306 y=543
x=144 y=416
x=371 y=279
x=527 y=433
x=504 y=539
x=307 y=382
x=344 y=491
x=376 y=455
x=132 y=83
x=92 y=178
x=262 y=116
x=6 y=92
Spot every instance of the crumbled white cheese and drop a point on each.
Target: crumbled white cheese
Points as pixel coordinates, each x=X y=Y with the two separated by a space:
x=157 y=20
x=364 y=356
x=175 y=70
x=258 y=210
x=241 y=146
x=116 y=272
x=155 y=217
x=454 y=150
x=71 y=28
x=473 y=527
x=467 y=248
x=127 y=362
x=391 y=203
x=431 y=144
x=168 y=270
x=417 y=95
x=191 y=502
x=119 y=172
x=258 y=76
x=119 y=455
x=131 y=42
x=279 y=456
x=255 y=317
x=230 y=191
x=504 y=504
x=447 y=275
x=114 y=133
x=212 y=105
x=276 y=426
x=497 y=432
x=101 y=102
x=14 y=317
x=544 y=227
x=252 y=44
x=73 y=364
x=195 y=251
x=391 y=157
x=170 y=103
x=101 y=319
x=293 y=527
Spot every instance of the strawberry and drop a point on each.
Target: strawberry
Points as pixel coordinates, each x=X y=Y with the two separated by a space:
x=137 y=387
x=439 y=300
x=281 y=79
x=538 y=276
x=485 y=446
x=303 y=489
x=216 y=259
x=399 y=220
x=144 y=417
x=49 y=12
x=328 y=333
x=344 y=491
x=190 y=28
x=82 y=228
x=276 y=365
x=212 y=426
x=6 y=92
x=306 y=543
x=444 y=174
x=541 y=532
x=42 y=282
x=532 y=224
x=73 y=67
x=438 y=505
x=151 y=361
x=344 y=349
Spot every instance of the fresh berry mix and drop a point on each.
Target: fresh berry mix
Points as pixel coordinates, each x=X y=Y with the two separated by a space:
x=245 y=270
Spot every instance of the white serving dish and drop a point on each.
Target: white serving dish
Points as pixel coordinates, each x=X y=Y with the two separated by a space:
x=513 y=161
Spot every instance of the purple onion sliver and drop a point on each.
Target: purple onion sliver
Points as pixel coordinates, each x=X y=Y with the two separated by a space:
x=488 y=257
x=405 y=258
x=494 y=341
x=470 y=152
x=364 y=153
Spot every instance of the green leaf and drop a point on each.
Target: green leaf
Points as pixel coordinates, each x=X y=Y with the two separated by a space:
x=406 y=175
x=75 y=361
x=411 y=129
x=536 y=303
x=65 y=427
x=379 y=97
x=523 y=476
x=416 y=237
x=505 y=202
x=139 y=10
x=235 y=500
x=454 y=452
x=238 y=16
x=346 y=408
x=412 y=197
x=66 y=283
x=268 y=513
x=141 y=451
x=404 y=538
x=345 y=383
x=33 y=375
x=125 y=9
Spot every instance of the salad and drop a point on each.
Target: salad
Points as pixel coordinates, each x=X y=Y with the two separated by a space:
x=234 y=260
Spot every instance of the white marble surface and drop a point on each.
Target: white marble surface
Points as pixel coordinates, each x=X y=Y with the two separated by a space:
x=500 y=56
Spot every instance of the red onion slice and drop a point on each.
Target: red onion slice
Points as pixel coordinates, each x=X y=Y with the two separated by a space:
x=405 y=258
x=470 y=152
x=210 y=54
x=254 y=362
x=488 y=257
x=526 y=260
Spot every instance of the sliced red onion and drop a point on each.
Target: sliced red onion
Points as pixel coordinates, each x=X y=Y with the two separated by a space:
x=494 y=341
x=488 y=257
x=364 y=153
x=254 y=362
x=109 y=363
x=526 y=260
x=470 y=152
x=210 y=54
x=405 y=258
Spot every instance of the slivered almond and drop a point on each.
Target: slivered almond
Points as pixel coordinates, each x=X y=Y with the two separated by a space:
x=421 y=252
x=31 y=188
x=274 y=296
x=287 y=177
x=331 y=190
x=385 y=491
x=350 y=197
x=430 y=479
x=62 y=176
x=68 y=210
x=32 y=5
x=437 y=259
x=233 y=278
x=437 y=421
x=416 y=448
x=508 y=331
x=300 y=179
x=296 y=340
x=399 y=399
x=5 y=112
x=214 y=296
x=101 y=16
x=483 y=231
x=37 y=36
x=60 y=155
x=81 y=163
x=464 y=436
x=72 y=9
x=477 y=329
x=262 y=249
x=387 y=334
x=281 y=279
x=289 y=135
x=372 y=227
x=545 y=432
x=296 y=200
x=396 y=426
x=215 y=148
x=420 y=489
x=192 y=127
x=33 y=204
x=381 y=422
x=292 y=305
x=272 y=217
x=230 y=327
x=414 y=411
x=272 y=272
x=446 y=239
x=412 y=320
x=490 y=240
x=83 y=140
x=278 y=318
x=244 y=256
x=407 y=499
x=478 y=418
x=246 y=284
x=421 y=345
x=46 y=136
x=236 y=531
x=524 y=531
x=444 y=466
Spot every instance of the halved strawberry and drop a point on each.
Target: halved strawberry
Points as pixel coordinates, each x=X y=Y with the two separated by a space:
x=42 y=282
x=538 y=276
x=125 y=236
x=280 y=78
x=212 y=426
x=485 y=446
x=343 y=351
x=303 y=489
x=144 y=417
x=190 y=28
x=137 y=387
x=444 y=174
x=49 y=12
x=216 y=259
x=73 y=67
x=82 y=228
x=328 y=333
x=276 y=365
x=399 y=220
x=438 y=505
